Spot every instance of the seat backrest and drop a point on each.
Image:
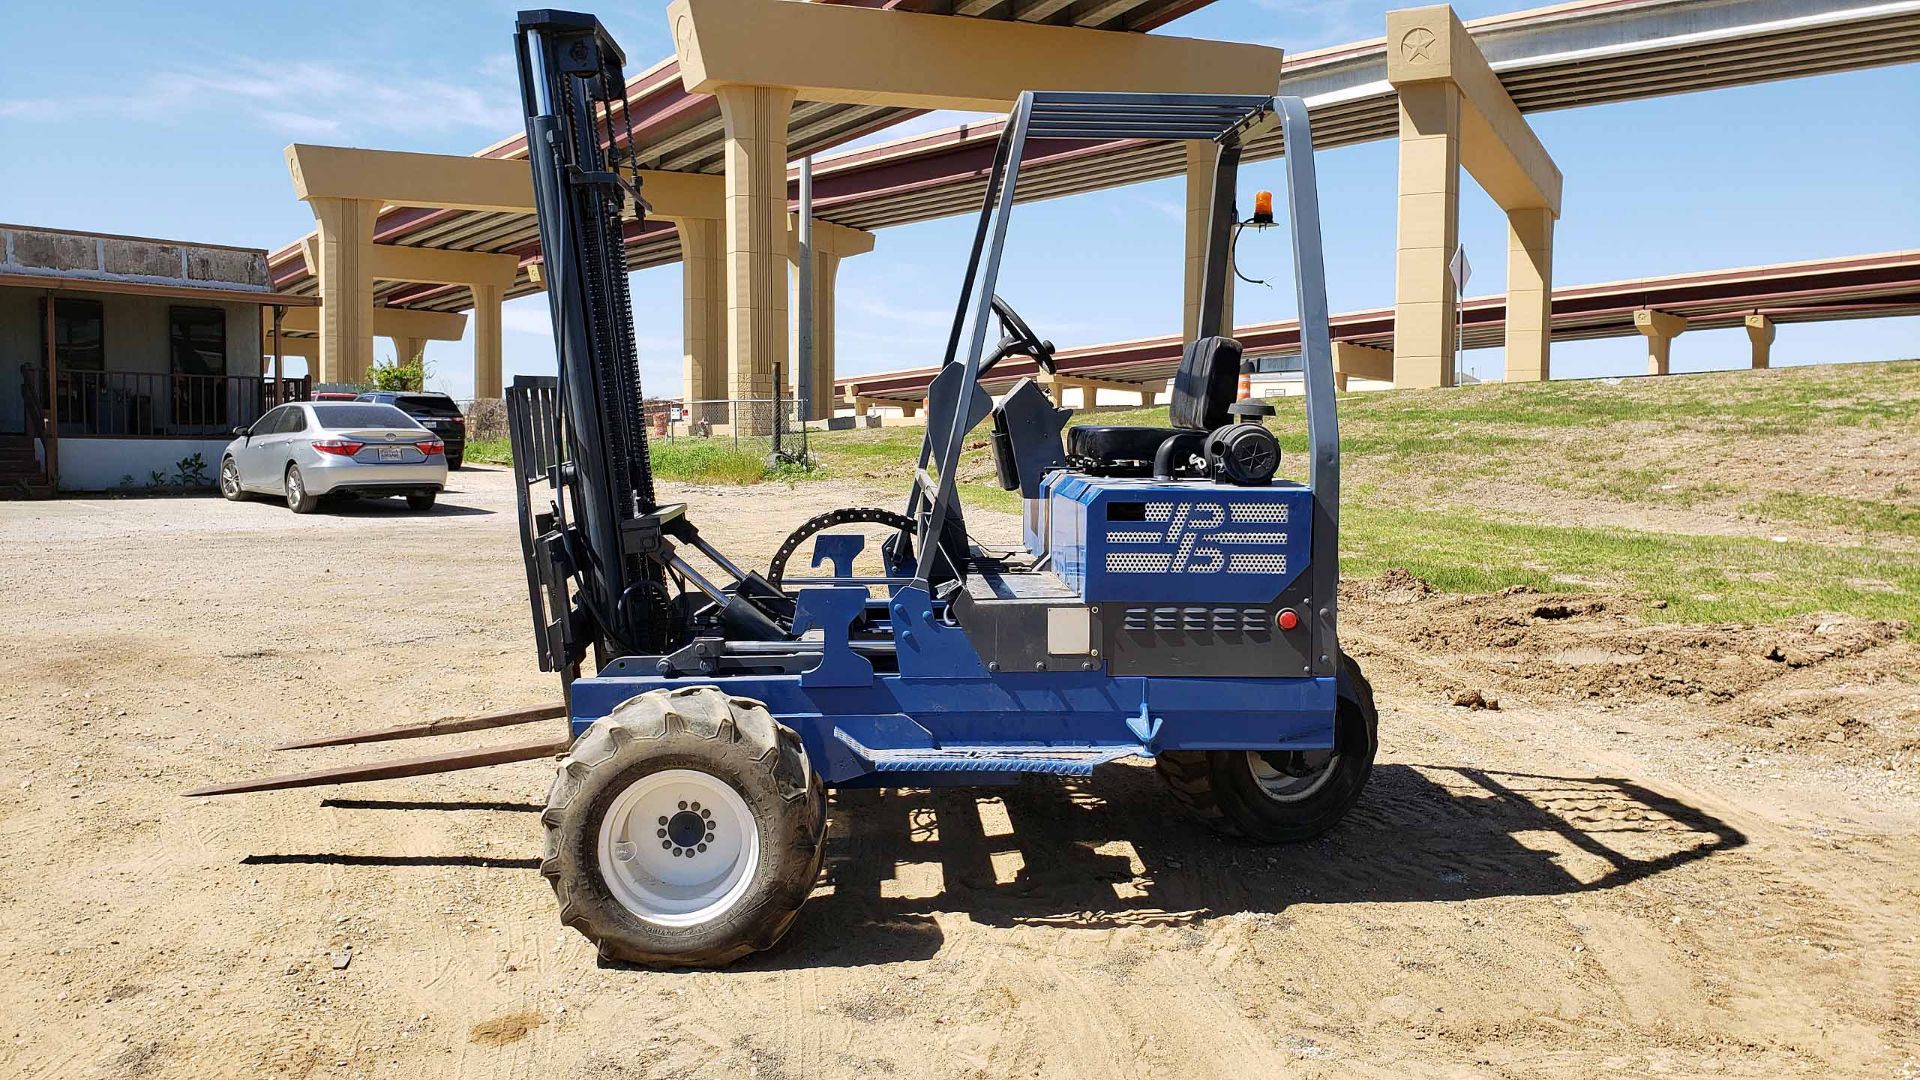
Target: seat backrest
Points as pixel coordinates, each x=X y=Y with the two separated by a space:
x=1206 y=385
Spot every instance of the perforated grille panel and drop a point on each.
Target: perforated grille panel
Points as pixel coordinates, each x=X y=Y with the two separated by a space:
x=1256 y=564
x=1177 y=542
x=1199 y=544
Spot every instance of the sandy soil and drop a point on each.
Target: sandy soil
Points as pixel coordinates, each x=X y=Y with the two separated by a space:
x=1669 y=850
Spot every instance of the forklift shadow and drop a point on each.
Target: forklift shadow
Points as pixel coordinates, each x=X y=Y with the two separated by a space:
x=1115 y=851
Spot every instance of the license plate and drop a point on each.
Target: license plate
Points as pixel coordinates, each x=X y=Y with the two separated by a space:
x=390 y=453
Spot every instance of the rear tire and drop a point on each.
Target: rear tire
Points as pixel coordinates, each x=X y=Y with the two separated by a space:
x=420 y=502
x=299 y=500
x=1281 y=797
x=230 y=488
x=454 y=461
x=684 y=829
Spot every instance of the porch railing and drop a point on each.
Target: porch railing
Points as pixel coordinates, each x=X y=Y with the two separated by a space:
x=146 y=404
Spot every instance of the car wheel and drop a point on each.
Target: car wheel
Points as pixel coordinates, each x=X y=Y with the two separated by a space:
x=230 y=488
x=420 y=502
x=454 y=461
x=299 y=500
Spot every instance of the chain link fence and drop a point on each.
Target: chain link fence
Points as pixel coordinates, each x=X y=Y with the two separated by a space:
x=768 y=428
x=772 y=428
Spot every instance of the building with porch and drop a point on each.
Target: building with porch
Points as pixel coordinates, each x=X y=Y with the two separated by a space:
x=122 y=356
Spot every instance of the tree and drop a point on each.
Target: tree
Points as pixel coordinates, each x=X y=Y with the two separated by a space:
x=399 y=375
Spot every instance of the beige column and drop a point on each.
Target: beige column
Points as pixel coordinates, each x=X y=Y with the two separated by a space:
x=1200 y=157
x=346 y=288
x=1529 y=294
x=756 y=236
x=826 y=272
x=1760 y=333
x=703 y=332
x=408 y=348
x=1660 y=329
x=1429 y=231
x=488 y=378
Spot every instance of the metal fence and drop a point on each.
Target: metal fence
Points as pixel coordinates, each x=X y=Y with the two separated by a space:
x=772 y=427
x=150 y=404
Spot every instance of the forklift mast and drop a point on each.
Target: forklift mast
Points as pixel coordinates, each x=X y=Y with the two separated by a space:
x=590 y=424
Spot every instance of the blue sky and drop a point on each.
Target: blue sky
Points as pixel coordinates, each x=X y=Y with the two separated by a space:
x=173 y=126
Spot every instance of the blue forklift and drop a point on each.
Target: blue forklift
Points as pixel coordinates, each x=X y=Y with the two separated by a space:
x=1174 y=599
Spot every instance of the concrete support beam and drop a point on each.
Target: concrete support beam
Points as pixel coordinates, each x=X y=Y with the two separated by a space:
x=1428 y=233
x=1200 y=160
x=831 y=243
x=1659 y=328
x=1529 y=295
x=1455 y=113
x=864 y=56
x=1352 y=361
x=1760 y=334
x=388 y=322
x=756 y=235
x=703 y=289
x=409 y=348
x=452 y=182
x=488 y=378
x=432 y=266
x=343 y=251
x=1429 y=44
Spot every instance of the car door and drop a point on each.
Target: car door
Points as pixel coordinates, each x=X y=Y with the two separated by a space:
x=250 y=457
x=287 y=439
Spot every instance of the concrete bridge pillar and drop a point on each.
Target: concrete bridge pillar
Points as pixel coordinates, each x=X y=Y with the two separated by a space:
x=1659 y=328
x=1529 y=294
x=1200 y=162
x=703 y=287
x=1760 y=333
x=344 y=253
x=488 y=376
x=1428 y=233
x=756 y=238
x=831 y=244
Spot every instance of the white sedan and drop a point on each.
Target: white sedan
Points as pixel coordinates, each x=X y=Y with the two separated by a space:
x=308 y=449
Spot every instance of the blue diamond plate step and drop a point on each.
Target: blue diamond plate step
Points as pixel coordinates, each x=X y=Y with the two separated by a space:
x=1046 y=760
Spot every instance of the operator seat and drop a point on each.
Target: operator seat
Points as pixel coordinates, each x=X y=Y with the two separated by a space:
x=1204 y=389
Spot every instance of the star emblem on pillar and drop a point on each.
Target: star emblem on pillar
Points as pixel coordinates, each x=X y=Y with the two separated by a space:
x=1416 y=46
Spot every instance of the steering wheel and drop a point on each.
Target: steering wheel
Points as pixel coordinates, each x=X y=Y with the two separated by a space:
x=1017 y=337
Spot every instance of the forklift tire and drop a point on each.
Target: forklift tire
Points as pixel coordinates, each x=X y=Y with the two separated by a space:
x=684 y=829
x=1266 y=797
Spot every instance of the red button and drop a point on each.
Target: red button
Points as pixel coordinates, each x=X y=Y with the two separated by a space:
x=1286 y=620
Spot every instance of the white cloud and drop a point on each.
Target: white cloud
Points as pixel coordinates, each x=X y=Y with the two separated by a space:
x=296 y=98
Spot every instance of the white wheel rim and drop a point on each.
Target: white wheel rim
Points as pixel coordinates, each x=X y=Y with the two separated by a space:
x=295 y=492
x=1282 y=787
x=229 y=478
x=692 y=873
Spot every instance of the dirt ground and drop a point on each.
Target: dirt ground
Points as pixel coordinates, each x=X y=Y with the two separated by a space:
x=1668 y=850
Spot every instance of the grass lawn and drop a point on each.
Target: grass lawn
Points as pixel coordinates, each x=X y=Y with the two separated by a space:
x=1797 y=490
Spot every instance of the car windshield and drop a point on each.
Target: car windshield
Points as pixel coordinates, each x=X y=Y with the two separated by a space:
x=360 y=415
x=428 y=405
